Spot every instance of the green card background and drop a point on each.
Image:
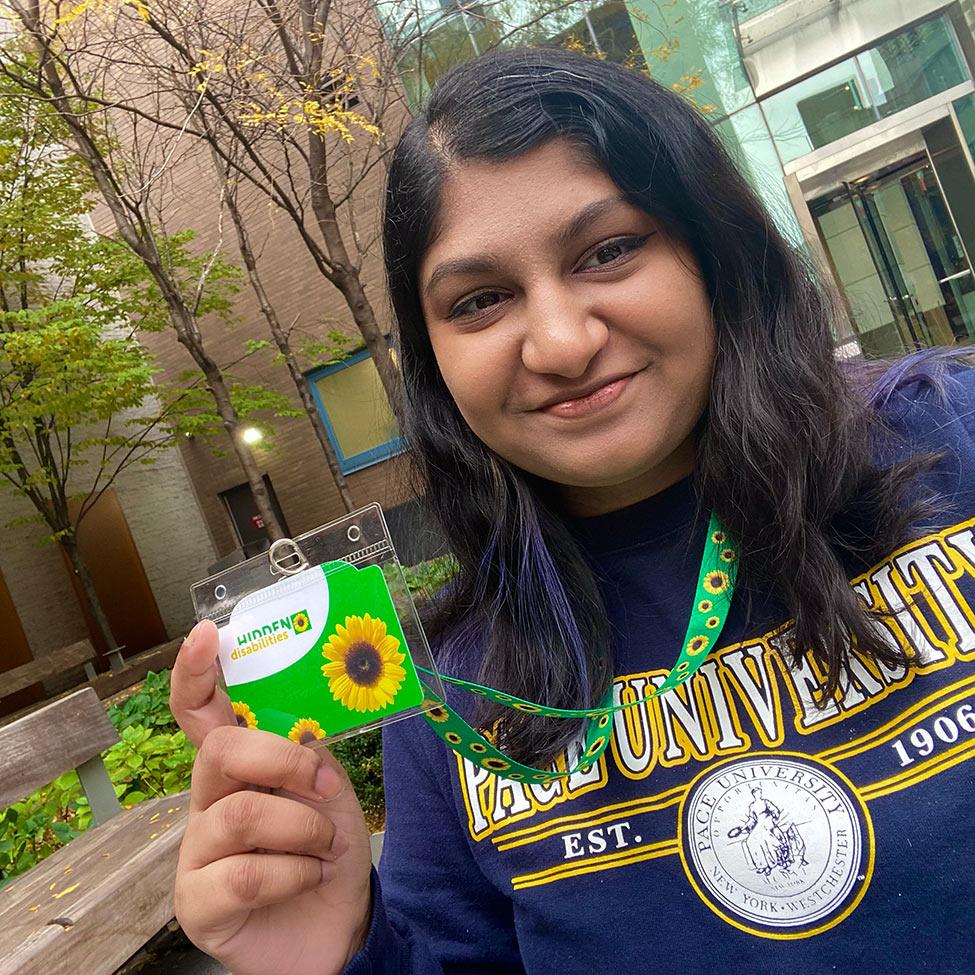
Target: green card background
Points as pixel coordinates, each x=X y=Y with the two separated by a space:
x=302 y=691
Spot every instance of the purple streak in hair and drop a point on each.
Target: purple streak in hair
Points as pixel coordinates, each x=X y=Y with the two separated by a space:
x=534 y=590
x=928 y=366
x=538 y=566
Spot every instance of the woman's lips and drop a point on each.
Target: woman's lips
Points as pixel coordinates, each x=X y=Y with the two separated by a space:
x=587 y=405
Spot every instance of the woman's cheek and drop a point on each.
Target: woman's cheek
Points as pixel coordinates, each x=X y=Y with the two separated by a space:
x=474 y=394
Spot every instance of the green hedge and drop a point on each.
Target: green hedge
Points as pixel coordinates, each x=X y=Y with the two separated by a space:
x=152 y=759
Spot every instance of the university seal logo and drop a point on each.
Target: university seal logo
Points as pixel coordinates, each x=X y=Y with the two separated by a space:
x=779 y=845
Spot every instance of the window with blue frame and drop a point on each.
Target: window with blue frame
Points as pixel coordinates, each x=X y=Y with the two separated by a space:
x=356 y=411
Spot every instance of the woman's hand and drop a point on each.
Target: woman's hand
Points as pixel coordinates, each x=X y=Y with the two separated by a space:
x=272 y=880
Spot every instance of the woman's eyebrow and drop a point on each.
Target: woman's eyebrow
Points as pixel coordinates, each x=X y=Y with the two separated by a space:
x=486 y=264
x=462 y=265
x=589 y=214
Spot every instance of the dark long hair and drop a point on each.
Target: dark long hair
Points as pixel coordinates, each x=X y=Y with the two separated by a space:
x=785 y=446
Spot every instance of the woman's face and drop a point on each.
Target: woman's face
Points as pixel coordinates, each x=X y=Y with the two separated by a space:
x=573 y=332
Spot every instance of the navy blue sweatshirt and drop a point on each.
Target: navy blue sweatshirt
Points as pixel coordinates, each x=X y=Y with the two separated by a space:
x=732 y=825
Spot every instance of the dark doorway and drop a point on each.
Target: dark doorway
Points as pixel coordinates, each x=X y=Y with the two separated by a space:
x=248 y=524
x=106 y=544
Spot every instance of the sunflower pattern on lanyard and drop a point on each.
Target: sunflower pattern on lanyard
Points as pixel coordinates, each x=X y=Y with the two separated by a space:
x=364 y=664
x=709 y=611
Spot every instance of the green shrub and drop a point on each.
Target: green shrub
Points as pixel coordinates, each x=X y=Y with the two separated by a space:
x=425 y=578
x=152 y=759
x=34 y=828
x=362 y=758
x=149 y=706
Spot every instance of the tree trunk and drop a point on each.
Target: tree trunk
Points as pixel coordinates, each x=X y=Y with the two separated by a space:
x=345 y=275
x=348 y=282
x=231 y=423
x=284 y=346
x=308 y=402
x=135 y=228
x=70 y=546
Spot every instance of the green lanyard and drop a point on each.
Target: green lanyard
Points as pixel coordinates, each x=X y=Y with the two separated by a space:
x=712 y=600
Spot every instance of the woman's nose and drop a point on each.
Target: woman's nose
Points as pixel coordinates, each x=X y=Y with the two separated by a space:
x=561 y=337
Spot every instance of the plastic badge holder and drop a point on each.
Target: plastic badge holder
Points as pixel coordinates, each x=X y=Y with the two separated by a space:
x=319 y=636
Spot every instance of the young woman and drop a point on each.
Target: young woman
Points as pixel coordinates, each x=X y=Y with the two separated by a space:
x=624 y=405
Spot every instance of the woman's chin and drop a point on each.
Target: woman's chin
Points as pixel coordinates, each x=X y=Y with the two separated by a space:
x=616 y=477
x=595 y=473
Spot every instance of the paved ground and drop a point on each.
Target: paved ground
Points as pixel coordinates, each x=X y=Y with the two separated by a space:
x=171 y=953
x=188 y=961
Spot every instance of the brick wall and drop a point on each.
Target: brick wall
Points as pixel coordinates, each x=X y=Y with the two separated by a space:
x=37 y=580
x=302 y=298
x=170 y=533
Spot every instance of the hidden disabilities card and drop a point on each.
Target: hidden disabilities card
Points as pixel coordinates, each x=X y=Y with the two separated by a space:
x=318 y=654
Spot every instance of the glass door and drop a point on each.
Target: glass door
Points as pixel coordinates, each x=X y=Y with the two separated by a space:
x=899 y=259
x=929 y=261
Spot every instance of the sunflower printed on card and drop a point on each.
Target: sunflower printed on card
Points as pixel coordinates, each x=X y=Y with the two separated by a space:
x=300 y=622
x=363 y=669
x=318 y=654
x=306 y=731
x=243 y=715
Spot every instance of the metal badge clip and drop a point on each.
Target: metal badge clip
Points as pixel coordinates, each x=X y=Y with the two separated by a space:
x=285 y=564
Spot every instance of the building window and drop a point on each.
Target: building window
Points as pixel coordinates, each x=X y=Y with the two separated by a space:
x=356 y=412
x=449 y=32
x=917 y=63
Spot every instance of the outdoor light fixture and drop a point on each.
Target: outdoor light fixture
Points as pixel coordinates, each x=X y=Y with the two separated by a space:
x=251 y=435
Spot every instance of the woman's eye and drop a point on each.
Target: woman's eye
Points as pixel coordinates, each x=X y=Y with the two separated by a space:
x=476 y=303
x=612 y=251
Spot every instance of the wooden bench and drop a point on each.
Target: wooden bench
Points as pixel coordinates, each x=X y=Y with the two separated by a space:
x=77 y=654
x=92 y=904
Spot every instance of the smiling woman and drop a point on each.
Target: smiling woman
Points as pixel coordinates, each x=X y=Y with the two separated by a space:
x=708 y=609
x=559 y=338
x=604 y=338
x=593 y=306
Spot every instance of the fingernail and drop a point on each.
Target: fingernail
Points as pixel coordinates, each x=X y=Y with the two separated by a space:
x=340 y=844
x=328 y=871
x=328 y=785
x=191 y=636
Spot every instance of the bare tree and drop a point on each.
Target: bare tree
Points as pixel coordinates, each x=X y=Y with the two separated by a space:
x=293 y=101
x=69 y=74
x=282 y=338
x=295 y=111
x=300 y=101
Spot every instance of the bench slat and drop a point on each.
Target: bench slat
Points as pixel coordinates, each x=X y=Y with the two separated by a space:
x=42 y=745
x=48 y=665
x=125 y=872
